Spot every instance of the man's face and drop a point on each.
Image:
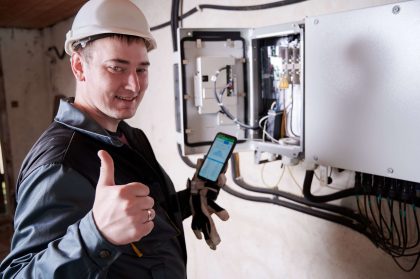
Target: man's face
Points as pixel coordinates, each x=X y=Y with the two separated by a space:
x=115 y=79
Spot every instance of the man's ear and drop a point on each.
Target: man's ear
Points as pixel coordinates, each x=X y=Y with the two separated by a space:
x=78 y=66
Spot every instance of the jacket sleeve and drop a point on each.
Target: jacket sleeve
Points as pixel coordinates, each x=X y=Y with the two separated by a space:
x=55 y=234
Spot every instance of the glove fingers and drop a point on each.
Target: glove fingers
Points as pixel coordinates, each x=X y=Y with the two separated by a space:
x=209 y=230
x=221 y=181
x=210 y=234
x=214 y=238
x=195 y=226
x=218 y=210
x=198 y=217
x=211 y=244
x=198 y=166
x=198 y=234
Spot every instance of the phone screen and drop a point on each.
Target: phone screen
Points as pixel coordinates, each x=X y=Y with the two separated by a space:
x=216 y=158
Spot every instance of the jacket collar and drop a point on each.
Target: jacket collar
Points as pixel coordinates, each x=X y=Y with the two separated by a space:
x=75 y=119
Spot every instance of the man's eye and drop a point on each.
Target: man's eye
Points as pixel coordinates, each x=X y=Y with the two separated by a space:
x=141 y=70
x=116 y=69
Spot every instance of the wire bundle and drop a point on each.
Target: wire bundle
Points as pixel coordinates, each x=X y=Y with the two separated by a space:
x=393 y=215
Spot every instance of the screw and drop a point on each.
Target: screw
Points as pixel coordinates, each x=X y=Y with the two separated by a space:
x=316 y=21
x=396 y=9
x=390 y=170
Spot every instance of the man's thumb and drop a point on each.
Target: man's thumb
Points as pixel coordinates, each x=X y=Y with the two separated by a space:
x=106 y=174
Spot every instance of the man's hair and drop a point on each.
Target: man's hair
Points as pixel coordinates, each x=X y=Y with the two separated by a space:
x=83 y=46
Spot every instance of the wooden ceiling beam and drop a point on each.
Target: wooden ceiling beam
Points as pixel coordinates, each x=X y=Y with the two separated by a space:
x=36 y=14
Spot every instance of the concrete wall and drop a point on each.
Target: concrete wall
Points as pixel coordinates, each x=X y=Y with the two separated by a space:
x=24 y=82
x=33 y=76
x=260 y=240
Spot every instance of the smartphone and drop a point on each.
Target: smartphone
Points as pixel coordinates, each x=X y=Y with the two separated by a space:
x=217 y=157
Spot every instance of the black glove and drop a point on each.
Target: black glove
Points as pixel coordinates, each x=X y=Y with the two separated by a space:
x=203 y=205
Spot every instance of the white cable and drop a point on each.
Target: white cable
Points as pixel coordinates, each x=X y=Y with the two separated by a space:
x=278 y=180
x=264 y=129
x=293 y=178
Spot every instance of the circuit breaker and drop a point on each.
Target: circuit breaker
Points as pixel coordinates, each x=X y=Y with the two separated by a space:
x=207 y=84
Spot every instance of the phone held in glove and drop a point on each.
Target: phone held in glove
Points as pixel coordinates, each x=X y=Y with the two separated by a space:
x=216 y=159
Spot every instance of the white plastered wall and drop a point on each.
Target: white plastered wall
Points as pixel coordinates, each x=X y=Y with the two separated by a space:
x=260 y=240
x=25 y=88
x=33 y=75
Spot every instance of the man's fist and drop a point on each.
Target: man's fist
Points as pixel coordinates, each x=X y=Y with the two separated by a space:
x=122 y=213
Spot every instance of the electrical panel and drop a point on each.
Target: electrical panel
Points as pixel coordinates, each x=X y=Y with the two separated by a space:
x=336 y=90
x=362 y=98
x=210 y=63
x=243 y=82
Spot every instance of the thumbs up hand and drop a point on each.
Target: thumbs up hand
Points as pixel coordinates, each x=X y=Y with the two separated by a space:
x=122 y=213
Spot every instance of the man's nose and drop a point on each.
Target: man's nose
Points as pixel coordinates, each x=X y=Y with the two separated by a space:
x=133 y=82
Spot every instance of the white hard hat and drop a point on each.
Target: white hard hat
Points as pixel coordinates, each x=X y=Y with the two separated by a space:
x=98 y=17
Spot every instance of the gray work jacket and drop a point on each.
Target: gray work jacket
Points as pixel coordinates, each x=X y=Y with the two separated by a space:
x=55 y=234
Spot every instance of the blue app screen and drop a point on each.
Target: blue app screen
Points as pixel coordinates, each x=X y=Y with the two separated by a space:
x=216 y=157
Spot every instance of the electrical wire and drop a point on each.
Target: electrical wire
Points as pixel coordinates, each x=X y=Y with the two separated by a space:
x=236 y=175
x=417 y=225
x=333 y=213
x=294 y=178
x=264 y=129
x=375 y=221
x=278 y=180
x=383 y=221
x=290 y=125
x=174 y=23
x=303 y=209
x=393 y=235
x=228 y=8
x=394 y=227
x=223 y=108
x=403 y=225
x=394 y=240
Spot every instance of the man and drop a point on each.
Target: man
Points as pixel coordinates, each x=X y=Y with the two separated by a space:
x=116 y=215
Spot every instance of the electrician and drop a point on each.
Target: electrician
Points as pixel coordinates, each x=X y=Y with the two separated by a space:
x=93 y=202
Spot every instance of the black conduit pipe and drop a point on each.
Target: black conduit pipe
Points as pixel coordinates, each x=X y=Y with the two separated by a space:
x=304 y=209
x=328 y=207
x=353 y=221
x=325 y=198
